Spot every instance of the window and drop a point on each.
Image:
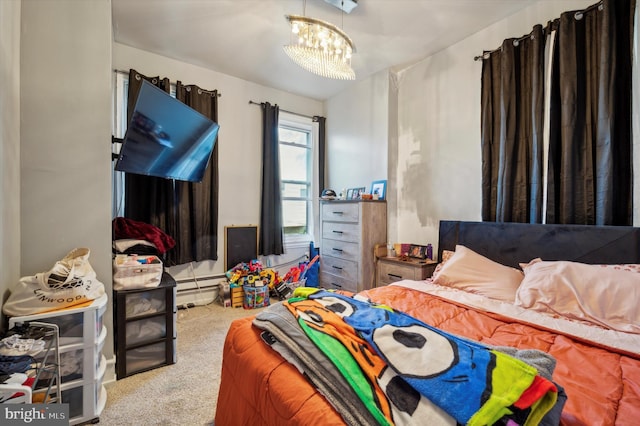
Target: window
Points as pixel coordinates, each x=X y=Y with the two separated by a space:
x=296 y=177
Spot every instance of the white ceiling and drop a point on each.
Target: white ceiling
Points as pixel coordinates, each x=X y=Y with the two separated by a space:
x=244 y=38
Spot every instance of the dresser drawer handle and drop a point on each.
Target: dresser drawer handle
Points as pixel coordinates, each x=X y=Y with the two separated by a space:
x=337 y=212
x=392 y=276
x=336 y=267
x=336 y=285
x=337 y=232
x=337 y=249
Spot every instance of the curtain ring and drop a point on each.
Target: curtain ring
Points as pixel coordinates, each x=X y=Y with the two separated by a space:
x=578 y=16
x=154 y=81
x=601 y=7
x=138 y=77
x=516 y=43
x=199 y=91
x=188 y=88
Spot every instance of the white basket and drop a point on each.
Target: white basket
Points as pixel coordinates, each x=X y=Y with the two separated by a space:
x=128 y=277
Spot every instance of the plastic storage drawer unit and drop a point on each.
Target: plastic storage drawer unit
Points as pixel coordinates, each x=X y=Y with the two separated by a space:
x=82 y=365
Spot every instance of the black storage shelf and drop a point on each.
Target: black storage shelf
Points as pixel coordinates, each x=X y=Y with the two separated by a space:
x=152 y=352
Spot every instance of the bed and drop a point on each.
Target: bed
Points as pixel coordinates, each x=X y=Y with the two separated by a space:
x=566 y=293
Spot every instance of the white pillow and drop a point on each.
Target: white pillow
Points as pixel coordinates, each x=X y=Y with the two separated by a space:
x=472 y=272
x=607 y=296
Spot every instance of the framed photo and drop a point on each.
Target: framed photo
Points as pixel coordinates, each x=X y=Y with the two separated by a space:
x=379 y=187
x=357 y=193
x=417 y=252
x=349 y=195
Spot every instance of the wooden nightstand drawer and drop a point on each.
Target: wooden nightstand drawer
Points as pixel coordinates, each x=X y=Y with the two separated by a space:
x=391 y=270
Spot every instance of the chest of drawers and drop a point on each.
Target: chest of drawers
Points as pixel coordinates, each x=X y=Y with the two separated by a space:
x=350 y=230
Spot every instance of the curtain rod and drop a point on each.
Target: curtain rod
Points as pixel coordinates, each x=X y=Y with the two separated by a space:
x=578 y=16
x=204 y=91
x=283 y=110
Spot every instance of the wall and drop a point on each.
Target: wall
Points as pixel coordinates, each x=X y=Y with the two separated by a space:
x=239 y=140
x=65 y=136
x=357 y=134
x=429 y=115
x=438 y=150
x=9 y=145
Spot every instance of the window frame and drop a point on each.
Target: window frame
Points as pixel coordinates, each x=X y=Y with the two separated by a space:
x=305 y=124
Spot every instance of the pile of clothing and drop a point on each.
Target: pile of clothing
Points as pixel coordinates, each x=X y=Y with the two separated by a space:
x=17 y=351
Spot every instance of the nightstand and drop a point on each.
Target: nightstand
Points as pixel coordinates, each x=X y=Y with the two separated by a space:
x=392 y=269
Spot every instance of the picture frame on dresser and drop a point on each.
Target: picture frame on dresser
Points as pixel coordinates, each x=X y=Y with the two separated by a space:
x=349 y=194
x=417 y=251
x=357 y=193
x=379 y=187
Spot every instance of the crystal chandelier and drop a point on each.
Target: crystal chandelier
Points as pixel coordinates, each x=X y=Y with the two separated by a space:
x=320 y=47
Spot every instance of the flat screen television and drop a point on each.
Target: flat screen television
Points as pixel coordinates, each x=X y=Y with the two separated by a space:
x=166 y=138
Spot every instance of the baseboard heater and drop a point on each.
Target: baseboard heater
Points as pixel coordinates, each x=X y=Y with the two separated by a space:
x=199 y=291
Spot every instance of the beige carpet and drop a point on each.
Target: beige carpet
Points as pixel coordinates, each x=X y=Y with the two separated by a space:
x=182 y=394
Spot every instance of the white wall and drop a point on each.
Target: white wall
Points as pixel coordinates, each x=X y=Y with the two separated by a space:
x=429 y=114
x=239 y=139
x=439 y=156
x=65 y=136
x=9 y=145
x=357 y=134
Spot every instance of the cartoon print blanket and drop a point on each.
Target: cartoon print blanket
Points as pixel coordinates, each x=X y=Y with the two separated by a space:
x=403 y=369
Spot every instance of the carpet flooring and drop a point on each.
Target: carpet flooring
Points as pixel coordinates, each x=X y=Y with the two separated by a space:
x=182 y=394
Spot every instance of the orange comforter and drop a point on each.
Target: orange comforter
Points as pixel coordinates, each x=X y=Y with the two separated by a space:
x=258 y=387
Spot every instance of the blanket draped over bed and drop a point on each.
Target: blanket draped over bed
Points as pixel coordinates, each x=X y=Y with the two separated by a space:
x=404 y=370
x=605 y=387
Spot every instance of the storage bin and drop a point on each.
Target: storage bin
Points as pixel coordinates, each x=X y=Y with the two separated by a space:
x=256 y=297
x=76 y=325
x=147 y=357
x=84 y=401
x=135 y=272
x=142 y=303
x=147 y=329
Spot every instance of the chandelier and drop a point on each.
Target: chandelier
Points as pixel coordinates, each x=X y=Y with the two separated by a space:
x=320 y=47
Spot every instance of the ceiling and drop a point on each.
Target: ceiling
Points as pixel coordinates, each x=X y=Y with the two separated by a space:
x=244 y=38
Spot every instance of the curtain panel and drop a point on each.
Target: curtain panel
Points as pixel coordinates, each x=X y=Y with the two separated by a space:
x=512 y=130
x=589 y=169
x=590 y=161
x=197 y=209
x=184 y=210
x=271 y=232
x=321 y=122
